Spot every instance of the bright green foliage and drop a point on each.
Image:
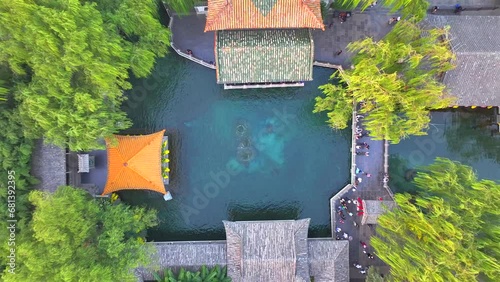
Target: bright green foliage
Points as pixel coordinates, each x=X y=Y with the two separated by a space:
x=73 y=237
x=72 y=59
x=215 y=274
x=3 y=93
x=374 y=275
x=15 y=154
x=396 y=80
x=15 y=158
x=408 y=8
x=180 y=6
x=448 y=232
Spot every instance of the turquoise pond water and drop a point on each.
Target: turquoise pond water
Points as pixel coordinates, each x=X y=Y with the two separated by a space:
x=262 y=154
x=461 y=135
x=237 y=155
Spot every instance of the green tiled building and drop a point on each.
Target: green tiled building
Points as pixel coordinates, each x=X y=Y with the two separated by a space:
x=263 y=43
x=264 y=56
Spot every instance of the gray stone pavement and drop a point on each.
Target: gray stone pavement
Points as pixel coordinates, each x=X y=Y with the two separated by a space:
x=187 y=33
x=370 y=188
x=450 y=4
x=373 y=22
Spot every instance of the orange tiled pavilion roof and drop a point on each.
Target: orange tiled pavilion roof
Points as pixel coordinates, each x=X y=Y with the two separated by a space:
x=135 y=163
x=258 y=14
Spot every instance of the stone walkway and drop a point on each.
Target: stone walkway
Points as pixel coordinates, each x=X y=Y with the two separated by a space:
x=371 y=23
x=188 y=34
x=370 y=188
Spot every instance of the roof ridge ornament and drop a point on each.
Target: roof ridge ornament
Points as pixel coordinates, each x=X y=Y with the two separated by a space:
x=265 y=6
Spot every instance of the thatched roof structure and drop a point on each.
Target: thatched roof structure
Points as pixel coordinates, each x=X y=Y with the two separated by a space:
x=373 y=209
x=267 y=250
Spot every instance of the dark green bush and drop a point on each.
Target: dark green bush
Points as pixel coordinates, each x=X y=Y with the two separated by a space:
x=215 y=274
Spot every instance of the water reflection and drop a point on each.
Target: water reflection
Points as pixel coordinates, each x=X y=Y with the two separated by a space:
x=474 y=135
x=467 y=136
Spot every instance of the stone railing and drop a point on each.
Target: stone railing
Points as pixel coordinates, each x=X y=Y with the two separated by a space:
x=183 y=54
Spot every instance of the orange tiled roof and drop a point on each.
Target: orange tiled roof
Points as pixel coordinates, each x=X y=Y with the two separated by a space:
x=257 y=14
x=135 y=163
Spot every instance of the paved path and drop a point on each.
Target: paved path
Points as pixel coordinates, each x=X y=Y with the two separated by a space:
x=450 y=4
x=370 y=188
x=188 y=34
x=371 y=23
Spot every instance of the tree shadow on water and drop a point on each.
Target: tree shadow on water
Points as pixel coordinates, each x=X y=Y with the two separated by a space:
x=473 y=135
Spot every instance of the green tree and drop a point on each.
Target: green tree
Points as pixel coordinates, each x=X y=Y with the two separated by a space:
x=409 y=8
x=205 y=274
x=180 y=6
x=73 y=237
x=395 y=79
x=449 y=231
x=374 y=275
x=72 y=59
x=3 y=93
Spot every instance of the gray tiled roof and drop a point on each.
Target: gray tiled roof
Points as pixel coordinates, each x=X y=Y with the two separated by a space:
x=375 y=208
x=48 y=164
x=329 y=260
x=476 y=42
x=267 y=250
x=190 y=255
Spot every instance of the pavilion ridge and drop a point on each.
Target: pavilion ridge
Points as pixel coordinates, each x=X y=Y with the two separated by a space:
x=263 y=43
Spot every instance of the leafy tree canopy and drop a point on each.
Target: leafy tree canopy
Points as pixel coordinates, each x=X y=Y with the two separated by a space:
x=408 y=8
x=205 y=274
x=374 y=275
x=3 y=92
x=180 y=6
x=449 y=231
x=394 y=79
x=71 y=59
x=73 y=237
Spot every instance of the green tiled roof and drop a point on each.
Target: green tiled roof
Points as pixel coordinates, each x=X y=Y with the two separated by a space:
x=259 y=56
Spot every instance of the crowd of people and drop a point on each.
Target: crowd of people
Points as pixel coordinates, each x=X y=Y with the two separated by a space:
x=349 y=211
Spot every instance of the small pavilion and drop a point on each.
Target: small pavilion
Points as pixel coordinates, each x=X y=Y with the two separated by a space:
x=263 y=43
x=375 y=208
x=134 y=163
